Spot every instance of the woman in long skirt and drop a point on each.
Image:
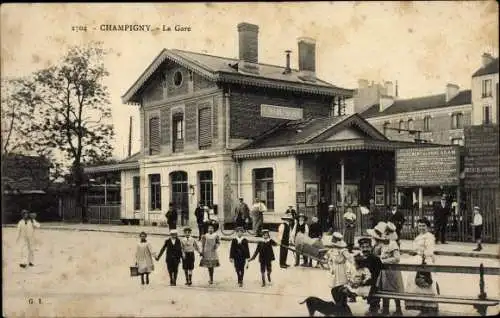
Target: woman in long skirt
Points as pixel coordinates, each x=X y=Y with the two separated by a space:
x=422 y=283
x=210 y=243
x=350 y=228
x=390 y=280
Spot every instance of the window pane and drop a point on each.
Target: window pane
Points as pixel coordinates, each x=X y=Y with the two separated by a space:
x=264 y=186
x=137 y=193
x=206 y=187
x=155 y=192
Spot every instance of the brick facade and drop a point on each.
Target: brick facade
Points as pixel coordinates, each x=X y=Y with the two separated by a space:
x=246 y=121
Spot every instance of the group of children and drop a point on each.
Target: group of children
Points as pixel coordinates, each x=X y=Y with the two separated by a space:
x=184 y=249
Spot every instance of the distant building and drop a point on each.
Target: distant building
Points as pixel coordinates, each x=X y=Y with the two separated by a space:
x=485 y=98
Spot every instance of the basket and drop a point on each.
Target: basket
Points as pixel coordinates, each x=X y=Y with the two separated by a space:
x=134 y=271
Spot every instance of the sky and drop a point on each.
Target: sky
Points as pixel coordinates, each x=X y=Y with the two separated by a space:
x=422 y=45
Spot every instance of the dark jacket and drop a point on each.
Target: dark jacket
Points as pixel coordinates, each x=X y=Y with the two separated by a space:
x=199 y=215
x=441 y=213
x=315 y=230
x=239 y=252
x=242 y=213
x=265 y=251
x=171 y=216
x=174 y=251
x=376 y=215
x=374 y=265
x=397 y=218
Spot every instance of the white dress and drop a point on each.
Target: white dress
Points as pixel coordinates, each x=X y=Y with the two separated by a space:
x=423 y=245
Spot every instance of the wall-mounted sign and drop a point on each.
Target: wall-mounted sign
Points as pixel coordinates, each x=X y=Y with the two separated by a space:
x=427 y=166
x=281 y=112
x=301 y=197
x=380 y=195
x=311 y=194
x=481 y=166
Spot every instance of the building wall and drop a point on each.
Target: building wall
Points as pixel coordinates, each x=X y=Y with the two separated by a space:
x=284 y=179
x=246 y=121
x=478 y=101
x=440 y=126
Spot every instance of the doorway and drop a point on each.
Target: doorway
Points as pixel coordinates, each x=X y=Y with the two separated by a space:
x=180 y=194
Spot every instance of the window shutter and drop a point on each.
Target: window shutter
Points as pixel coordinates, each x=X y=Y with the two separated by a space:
x=154 y=136
x=204 y=128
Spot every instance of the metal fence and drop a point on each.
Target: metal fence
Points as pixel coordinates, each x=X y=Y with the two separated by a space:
x=96 y=214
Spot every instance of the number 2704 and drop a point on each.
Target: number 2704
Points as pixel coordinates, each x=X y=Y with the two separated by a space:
x=79 y=28
x=32 y=301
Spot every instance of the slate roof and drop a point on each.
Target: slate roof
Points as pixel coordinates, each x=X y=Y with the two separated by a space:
x=295 y=132
x=218 y=69
x=419 y=103
x=488 y=69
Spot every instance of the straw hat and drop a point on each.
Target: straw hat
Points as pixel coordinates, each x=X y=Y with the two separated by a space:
x=378 y=232
x=338 y=240
x=476 y=208
x=302 y=215
x=364 y=240
x=287 y=218
x=391 y=232
x=172 y=232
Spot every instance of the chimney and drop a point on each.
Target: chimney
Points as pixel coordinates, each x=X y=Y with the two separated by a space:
x=487 y=59
x=248 y=46
x=288 y=70
x=451 y=91
x=307 y=58
x=389 y=88
x=385 y=101
x=362 y=83
x=396 y=93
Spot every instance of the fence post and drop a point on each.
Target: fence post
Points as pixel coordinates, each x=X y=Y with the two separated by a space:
x=100 y=214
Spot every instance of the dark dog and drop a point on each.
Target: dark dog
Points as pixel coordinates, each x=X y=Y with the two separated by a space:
x=327 y=308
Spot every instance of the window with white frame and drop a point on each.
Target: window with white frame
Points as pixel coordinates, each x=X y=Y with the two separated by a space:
x=155 y=192
x=411 y=125
x=486 y=114
x=264 y=186
x=456 y=120
x=206 y=187
x=427 y=123
x=178 y=132
x=487 y=89
x=136 y=185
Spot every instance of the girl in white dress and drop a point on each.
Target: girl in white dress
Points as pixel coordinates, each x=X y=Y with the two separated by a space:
x=144 y=258
x=422 y=283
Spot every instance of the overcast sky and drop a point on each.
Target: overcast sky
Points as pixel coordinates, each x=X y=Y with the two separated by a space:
x=422 y=45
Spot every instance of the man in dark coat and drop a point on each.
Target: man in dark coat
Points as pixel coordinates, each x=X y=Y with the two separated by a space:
x=323 y=214
x=171 y=216
x=396 y=217
x=173 y=256
x=441 y=213
x=315 y=232
x=242 y=214
x=292 y=213
x=198 y=213
x=375 y=214
x=374 y=265
x=284 y=231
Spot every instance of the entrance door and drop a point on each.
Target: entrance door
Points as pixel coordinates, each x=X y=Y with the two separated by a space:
x=180 y=194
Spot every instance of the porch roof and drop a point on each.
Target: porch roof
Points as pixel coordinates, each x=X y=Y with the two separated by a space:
x=129 y=163
x=326 y=146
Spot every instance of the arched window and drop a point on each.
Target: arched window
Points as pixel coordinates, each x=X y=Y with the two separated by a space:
x=456 y=120
x=386 y=125
x=427 y=123
x=401 y=125
x=411 y=125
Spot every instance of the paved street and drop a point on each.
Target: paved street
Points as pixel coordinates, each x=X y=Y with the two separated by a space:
x=87 y=274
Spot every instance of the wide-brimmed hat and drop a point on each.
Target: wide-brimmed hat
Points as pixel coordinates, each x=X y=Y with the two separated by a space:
x=391 y=231
x=378 y=232
x=173 y=232
x=287 y=218
x=476 y=208
x=187 y=229
x=338 y=240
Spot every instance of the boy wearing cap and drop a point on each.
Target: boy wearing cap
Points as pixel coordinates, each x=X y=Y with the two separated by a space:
x=198 y=213
x=188 y=245
x=173 y=257
x=478 y=228
x=284 y=238
x=26 y=232
x=239 y=254
x=266 y=256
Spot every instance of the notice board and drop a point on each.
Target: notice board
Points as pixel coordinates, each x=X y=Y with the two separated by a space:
x=427 y=166
x=481 y=166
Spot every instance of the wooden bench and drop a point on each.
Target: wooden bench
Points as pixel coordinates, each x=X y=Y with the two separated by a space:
x=481 y=303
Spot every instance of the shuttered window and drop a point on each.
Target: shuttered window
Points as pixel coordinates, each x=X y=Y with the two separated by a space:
x=204 y=128
x=154 y=136
x=178 y=132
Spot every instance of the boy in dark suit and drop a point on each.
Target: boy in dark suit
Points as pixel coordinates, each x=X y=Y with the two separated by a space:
x=171 y=216
x=266 y=256
x=239 y=253
x=173 y=256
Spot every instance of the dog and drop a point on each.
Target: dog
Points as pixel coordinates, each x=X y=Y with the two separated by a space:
x=327 y=308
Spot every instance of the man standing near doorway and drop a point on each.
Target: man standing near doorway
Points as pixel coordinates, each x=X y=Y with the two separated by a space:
x=242 y=214
x=323 y=214
x=441 y=214
x=171 y=216
x=198 y=213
